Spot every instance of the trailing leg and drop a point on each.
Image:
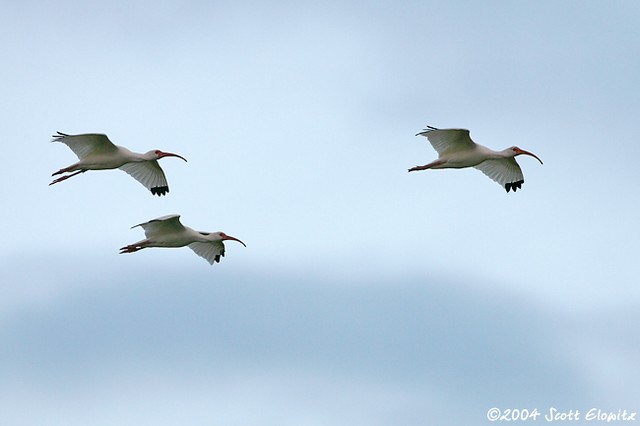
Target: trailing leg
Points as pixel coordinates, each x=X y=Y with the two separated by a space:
x=132 y=248
x=427 y=166
x=60 y=179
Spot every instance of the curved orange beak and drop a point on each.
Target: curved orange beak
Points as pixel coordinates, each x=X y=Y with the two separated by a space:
x=522 y=151
x=229 y=237
x=170 y=154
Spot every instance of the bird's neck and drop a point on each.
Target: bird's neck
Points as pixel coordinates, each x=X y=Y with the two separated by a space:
x=133 y=156
x=495 y=155
x=203 y=237
x=143 y=157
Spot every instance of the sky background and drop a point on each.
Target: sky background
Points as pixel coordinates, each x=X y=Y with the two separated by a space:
x=366 y=295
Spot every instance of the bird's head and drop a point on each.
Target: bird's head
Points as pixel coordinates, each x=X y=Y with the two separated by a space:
x=221 y=236
x=156 y=154
x=515 y=151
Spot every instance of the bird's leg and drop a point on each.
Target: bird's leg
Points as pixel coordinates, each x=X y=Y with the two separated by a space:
x=66 y=169
x=132 y=248
x=60 y=179
x=426 y=166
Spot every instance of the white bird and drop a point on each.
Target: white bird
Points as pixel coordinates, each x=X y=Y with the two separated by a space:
x=167 y=231
x=97 y=152
x=456 y=150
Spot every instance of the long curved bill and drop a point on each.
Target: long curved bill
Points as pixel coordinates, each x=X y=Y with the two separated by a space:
x=170 y=154
x=522 y=151
x=228 y=237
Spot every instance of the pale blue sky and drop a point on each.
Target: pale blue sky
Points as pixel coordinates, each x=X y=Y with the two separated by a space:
x=365 y=295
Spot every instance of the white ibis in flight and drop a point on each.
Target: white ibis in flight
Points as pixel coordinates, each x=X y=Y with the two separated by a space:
x=456 y=150
x=167 y=231
x=97 y=152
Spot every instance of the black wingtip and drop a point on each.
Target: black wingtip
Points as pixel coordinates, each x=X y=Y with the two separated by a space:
x=514 y=185
x=160 y=190
x=426 y=130
x=58 y=136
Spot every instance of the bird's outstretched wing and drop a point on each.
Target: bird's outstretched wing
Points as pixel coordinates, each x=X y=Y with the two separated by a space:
x=86 y=144
x=212 y=251
x=448 y=140
x=149 y=174
x=163 y=225
x=505 y=171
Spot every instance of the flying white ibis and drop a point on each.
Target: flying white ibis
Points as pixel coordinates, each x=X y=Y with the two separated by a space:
x=97 y=152
x=456 y=150
x=167 y=231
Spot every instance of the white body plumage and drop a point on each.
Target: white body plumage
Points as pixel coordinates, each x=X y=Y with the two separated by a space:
x=168 y=231
x=456 y=150
x=96 y=152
